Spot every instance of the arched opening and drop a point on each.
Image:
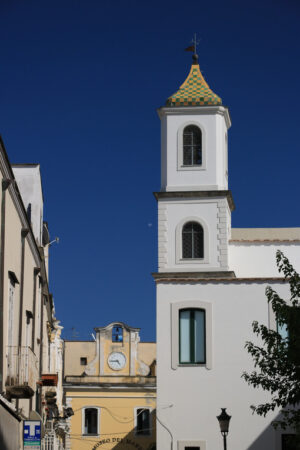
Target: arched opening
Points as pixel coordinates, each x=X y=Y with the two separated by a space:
x=192 y=241
x=192 y=146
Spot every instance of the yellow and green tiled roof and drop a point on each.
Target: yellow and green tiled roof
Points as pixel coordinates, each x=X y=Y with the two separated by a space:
x=194 y=91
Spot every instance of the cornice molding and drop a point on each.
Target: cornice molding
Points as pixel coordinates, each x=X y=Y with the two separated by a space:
x=195 y=194
x=12 y=187
x=195 y=110
x=215 y=277
x=116 y=324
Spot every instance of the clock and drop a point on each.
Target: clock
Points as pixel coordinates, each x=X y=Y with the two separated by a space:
x=116 y=360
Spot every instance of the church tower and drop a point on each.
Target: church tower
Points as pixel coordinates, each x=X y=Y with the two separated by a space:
x=210 y=284
x=194 y=204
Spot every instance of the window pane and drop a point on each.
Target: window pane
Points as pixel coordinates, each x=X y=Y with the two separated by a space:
x=91 y=421
x=187 y=245
x=192 y=146
x=187 y=156
x=197 y=155
x=184 y=333
x=198 y=241
x=192 y=240
x=199 y=336
x=143 y=421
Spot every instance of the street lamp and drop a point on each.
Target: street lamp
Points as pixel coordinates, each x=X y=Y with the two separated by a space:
x=224 y=420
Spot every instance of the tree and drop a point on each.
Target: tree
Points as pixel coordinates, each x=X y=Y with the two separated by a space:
x=277 y=361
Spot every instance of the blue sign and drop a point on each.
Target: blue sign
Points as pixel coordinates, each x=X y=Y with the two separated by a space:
x=32 y=434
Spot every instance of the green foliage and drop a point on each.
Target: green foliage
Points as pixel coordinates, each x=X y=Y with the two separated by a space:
x=277 y=361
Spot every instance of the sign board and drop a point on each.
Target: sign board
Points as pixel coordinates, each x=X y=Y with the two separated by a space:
x=32 y=435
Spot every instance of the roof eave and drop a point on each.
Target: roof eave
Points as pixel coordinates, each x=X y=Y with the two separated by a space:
x=199 y=110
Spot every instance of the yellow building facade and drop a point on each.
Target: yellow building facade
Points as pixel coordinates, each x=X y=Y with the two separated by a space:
x=110 y=384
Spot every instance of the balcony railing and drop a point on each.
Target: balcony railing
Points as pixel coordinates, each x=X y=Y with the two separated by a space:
x=22 y=372
x=49 y=379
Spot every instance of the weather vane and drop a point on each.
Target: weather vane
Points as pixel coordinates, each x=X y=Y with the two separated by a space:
x=193 y=48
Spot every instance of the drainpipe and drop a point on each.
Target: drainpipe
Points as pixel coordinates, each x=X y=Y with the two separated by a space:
x=5 y=185
x=35 y=274
x=24 y=233
x=41 y=338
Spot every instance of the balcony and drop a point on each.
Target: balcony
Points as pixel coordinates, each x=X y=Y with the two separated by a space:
x=49 y=379
x=22 y=372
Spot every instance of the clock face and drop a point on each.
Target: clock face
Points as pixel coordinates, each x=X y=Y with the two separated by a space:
x=116 y=360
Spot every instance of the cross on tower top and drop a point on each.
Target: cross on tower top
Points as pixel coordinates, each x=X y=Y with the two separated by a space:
x=193 y=48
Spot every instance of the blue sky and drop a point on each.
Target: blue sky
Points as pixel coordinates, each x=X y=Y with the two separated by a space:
x=80 y=84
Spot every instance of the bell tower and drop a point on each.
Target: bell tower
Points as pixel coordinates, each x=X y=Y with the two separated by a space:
x=194 y=203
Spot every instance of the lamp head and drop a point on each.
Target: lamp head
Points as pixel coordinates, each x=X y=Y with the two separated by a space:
x=224 y=420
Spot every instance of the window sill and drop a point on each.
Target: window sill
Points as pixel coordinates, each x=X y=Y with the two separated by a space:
x=192 y=261
x=90 y=434
x=192 y=364
x=200 y=167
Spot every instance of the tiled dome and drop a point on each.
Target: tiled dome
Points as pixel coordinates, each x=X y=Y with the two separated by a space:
x=194 y=91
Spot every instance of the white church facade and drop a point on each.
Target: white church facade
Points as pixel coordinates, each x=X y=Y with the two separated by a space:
x=211 y=283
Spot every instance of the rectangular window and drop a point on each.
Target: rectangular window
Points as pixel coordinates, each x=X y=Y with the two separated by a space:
x=192 y=336
x=289 y=442
x=90 y=421
x=191 y=445
x=143 y=421
x=83 y=361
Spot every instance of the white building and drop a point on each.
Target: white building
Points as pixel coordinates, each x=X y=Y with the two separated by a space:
x=30 y=343
x=211 y=283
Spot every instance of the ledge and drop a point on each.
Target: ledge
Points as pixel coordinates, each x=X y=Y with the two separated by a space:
x=196 y=194
x=211 y=277
x=193 y=275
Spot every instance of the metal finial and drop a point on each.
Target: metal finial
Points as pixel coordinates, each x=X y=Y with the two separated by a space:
x=195 y=43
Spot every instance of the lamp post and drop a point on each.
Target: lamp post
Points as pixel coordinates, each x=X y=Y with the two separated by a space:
x=224 y=420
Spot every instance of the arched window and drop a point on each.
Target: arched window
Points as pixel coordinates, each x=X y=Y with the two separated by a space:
x=192 y=146
x=192 y=347
x=91 y=421
x=192 y=241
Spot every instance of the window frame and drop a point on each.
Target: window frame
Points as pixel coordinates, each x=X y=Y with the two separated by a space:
x=193 y=232
x=190 y=304
x=149 y=433
x=178 y=244
x=180 y=165
x=181 y=445
x=193 y=133
x=83 y=420
x=192 y=337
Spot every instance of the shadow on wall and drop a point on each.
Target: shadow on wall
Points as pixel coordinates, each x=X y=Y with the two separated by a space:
x=270 y=435
x=128 y=442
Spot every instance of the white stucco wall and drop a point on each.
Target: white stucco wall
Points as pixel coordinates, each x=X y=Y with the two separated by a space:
x=190 y=398
x=212 y=173
x=28 y=178
x=250 y=259
x=214 y=216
